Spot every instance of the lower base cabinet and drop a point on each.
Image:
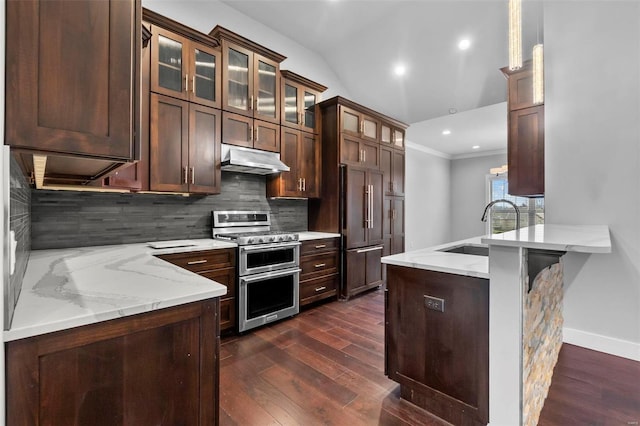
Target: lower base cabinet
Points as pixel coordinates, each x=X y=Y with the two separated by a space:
x=363 y=270
x=156 y=368
x=319 y=261
x=437 y=342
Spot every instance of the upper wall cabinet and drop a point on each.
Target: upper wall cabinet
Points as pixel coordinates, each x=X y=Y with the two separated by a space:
x=184 y=68
x=72 y=75
x=251 y=76
x=525 y=142
x=299 y=99
x=356 y=123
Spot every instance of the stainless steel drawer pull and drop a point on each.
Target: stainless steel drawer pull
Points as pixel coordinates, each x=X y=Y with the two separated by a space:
x=321 y=288
x=369 y=249
x=197 y=262
x=321 y=265
x=319 y=246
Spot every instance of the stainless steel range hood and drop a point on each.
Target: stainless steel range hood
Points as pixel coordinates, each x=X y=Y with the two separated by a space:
x=247 y=160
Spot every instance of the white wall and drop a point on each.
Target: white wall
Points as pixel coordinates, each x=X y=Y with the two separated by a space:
x=205 y=15
x=592 y=161
x=427 y=198
x=468 y=194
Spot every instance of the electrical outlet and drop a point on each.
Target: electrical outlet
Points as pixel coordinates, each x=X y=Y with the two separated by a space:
x=434 y=303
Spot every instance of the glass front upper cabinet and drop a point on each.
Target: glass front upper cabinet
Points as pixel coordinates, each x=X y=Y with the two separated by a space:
x=238 y=84
x=184 y=69
x=310 y=100
x=266 y=91
x=291 y=114
x=300 y=96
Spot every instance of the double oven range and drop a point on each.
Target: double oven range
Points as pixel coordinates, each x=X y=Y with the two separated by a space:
x=268 y=266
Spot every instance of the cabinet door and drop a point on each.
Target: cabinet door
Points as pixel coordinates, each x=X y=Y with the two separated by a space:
x=266 y=91
x=398 y=138
x=521 y=89
x=350 y=121
x=238 y=77
x=370 y=155
x=356 y=202
x=291 y=104
x=204 y=149
x=397 y=181
x=385 y=134
x=70 y=80
x=350 y=150
x=169 y=63
x=309 y=158
x=289 y=182
x=308 y=104
x=375 y=233
x=397 y=225
x=127 y=177
x=355 y=277
x=369 y=129
x=169 y=144
x=204 y=84
x=373 y=266
x=386 y=167
x=526 y=151
x=237 y=129
x=266 y=136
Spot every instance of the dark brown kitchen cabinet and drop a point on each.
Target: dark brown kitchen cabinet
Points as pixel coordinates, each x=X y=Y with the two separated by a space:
x=185 y=69
x=184 y=146
x=393 y=225
x=363 y=270
x=364 y=208
x=525 y=142
x=72 y=77
x=245 y=131
x=299 y=98
x=160 y=368
x=357 y=123
x=392 y=166
x=217 y=265
x=358 y=152
x=301 y=152
x=391 y=136
x=437 y=342
x=320 y=264
x=250 y=76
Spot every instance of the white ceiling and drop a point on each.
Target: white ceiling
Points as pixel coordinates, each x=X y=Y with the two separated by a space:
x=361 y=40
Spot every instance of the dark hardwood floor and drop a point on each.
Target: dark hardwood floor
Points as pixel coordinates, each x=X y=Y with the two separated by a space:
x=326 y=367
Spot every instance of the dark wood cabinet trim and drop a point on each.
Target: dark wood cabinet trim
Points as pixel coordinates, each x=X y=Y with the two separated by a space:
x=222 y=33
x=185 y=31
x=338 y=100
x=303 y=81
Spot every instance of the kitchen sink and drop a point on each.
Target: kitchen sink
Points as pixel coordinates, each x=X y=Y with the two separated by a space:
x=468 y=249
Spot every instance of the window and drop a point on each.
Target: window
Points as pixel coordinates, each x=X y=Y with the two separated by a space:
x=502 y=217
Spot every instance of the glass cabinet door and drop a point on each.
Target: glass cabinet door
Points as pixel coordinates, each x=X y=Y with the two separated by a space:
x=350 y=122
x=291 y=104
x=169 y=73
x=266 y=90
x=309 y=110
x=238 y=80
x=398 y=138
x=369 y=128
x=204 y=81
x=385 y=134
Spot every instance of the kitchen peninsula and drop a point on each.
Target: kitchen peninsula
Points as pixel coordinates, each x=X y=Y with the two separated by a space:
x=115 y=335
x=515 y=295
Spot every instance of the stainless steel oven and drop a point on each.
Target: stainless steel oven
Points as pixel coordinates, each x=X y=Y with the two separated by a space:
x=268 y=266
x=268 y=257
x=268 y=297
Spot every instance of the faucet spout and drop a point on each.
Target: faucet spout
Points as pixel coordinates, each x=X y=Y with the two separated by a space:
x=502 y=200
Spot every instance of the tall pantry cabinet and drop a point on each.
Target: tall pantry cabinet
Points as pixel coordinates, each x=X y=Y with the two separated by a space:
x=362 y=194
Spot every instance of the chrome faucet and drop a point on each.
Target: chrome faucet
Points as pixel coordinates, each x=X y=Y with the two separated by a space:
x=502 y=200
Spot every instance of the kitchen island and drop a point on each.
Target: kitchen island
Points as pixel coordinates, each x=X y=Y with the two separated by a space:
x=524 y=271
x=114 y=335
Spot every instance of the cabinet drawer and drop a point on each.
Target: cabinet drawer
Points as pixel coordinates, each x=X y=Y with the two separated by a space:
x=226 y=277
x=227 y=315
x=198 y=261
x=318 y=289
x=318 y=265
x=319 y=246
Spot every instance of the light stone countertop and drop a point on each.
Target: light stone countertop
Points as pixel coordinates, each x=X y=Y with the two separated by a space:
x=65 y=288
x=433 y=259
x=312 y=235
x=576 y=238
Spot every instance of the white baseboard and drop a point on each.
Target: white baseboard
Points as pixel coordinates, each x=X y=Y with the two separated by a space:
x=600 y=343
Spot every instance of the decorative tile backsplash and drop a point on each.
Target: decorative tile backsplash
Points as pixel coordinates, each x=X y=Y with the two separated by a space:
x=62 y=219
x=20 y=224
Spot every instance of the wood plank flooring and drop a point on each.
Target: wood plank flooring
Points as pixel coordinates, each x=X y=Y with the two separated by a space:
x=326 y=367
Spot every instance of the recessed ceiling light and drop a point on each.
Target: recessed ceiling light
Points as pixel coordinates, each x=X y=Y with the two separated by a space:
x=475 y=147
x=452 y=110
x=400 y=69
x=446 y=132
x=464 y=44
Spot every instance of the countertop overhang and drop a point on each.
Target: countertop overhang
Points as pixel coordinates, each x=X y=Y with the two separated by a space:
x=570 y=238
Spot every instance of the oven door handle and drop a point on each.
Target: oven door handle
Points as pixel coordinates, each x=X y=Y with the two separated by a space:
x=270 y=247
x=274 y=274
